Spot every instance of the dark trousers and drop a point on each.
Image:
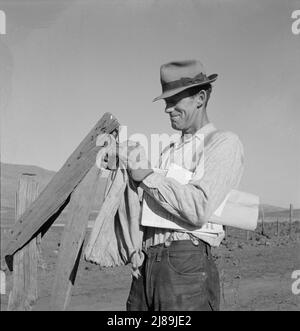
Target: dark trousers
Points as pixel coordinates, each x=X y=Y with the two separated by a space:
x=179 y=277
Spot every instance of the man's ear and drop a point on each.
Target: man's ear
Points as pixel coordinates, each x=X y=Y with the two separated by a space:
x=201 y=97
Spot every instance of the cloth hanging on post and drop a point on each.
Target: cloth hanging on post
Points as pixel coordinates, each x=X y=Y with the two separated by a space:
x=116 y=238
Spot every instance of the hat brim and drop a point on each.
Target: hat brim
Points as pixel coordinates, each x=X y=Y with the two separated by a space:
x=175 y=91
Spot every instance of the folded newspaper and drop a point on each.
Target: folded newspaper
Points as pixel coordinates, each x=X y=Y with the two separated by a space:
x=239 y=209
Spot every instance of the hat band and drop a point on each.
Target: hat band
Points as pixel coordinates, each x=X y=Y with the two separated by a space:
x=184 y=81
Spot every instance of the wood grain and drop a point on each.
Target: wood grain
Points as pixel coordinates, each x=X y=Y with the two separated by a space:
x=25 y=285
x=74 y=232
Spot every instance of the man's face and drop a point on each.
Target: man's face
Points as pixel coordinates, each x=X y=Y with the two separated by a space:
x=182 y=109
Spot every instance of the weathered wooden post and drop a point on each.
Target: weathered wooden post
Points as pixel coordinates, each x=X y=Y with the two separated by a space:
x=73 y=238
x=262 y=221
x=247 y=235
x=291 y=218
x=24 y=291
x=277 y=231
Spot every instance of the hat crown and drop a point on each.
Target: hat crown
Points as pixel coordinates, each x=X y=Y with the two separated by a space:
x=174 y=71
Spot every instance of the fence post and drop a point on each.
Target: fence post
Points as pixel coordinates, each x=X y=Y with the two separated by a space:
x=291 y=218
x=262 y=220
x=247 y=234
x=226 y=232
x=25 y=262
x=277 y=227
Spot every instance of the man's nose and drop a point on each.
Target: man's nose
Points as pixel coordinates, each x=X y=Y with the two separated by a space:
x=169 y=109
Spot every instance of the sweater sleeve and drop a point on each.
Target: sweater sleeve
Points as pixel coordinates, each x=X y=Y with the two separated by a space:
x=196 y=201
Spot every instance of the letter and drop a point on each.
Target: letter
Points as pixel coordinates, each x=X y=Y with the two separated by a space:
x=104 y=140
x=181 y=321
x=176 y=322
x=2 y=22
x=143 y=141
x=159 y=142
x=123 y=135
x=138 y=321
x=110 y=321
x=129 y=320
x=2 y=282
x=296 y=24
x=296 y=283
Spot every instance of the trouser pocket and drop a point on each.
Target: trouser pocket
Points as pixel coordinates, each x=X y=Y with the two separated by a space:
x=192 y=282
x=187 y=263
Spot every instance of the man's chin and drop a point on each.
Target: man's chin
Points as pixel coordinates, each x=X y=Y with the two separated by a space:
x=175 y=126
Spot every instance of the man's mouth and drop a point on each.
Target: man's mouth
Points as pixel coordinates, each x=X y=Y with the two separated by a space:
x=174 y=117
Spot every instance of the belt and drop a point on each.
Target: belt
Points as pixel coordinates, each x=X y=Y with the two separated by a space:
x=158 y=249
x=194 y=239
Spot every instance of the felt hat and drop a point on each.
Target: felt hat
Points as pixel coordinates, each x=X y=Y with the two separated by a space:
x=178 y=76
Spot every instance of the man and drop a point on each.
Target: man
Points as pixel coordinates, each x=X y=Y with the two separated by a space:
x=178 y=272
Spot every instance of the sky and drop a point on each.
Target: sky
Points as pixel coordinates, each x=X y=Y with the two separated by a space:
x=63 y=64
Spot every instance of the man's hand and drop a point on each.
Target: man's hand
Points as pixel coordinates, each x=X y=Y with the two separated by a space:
x=134 y=156
x=106 y=157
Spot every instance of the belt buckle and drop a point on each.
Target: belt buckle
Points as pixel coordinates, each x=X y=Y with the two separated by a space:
x=169 y=240
x=168 y=243
x=195 y=241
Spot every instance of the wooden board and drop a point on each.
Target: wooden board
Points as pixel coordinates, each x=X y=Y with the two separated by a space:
x=25 y=289
x=77 y=219
x=47 y=207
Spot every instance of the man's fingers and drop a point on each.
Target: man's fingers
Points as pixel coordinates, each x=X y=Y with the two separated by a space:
x=104 y=164
x=111 y=160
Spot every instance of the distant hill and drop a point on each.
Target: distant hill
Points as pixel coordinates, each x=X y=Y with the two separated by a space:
x=277 y=212
x=283 y=214
x=270 y=209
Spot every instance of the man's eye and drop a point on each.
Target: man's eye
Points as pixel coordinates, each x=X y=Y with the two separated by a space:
x=169 y=105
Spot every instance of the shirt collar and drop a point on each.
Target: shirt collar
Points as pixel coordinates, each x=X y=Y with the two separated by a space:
x=205 y=130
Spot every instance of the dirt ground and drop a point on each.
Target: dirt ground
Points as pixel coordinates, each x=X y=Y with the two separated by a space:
x=255 y=273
